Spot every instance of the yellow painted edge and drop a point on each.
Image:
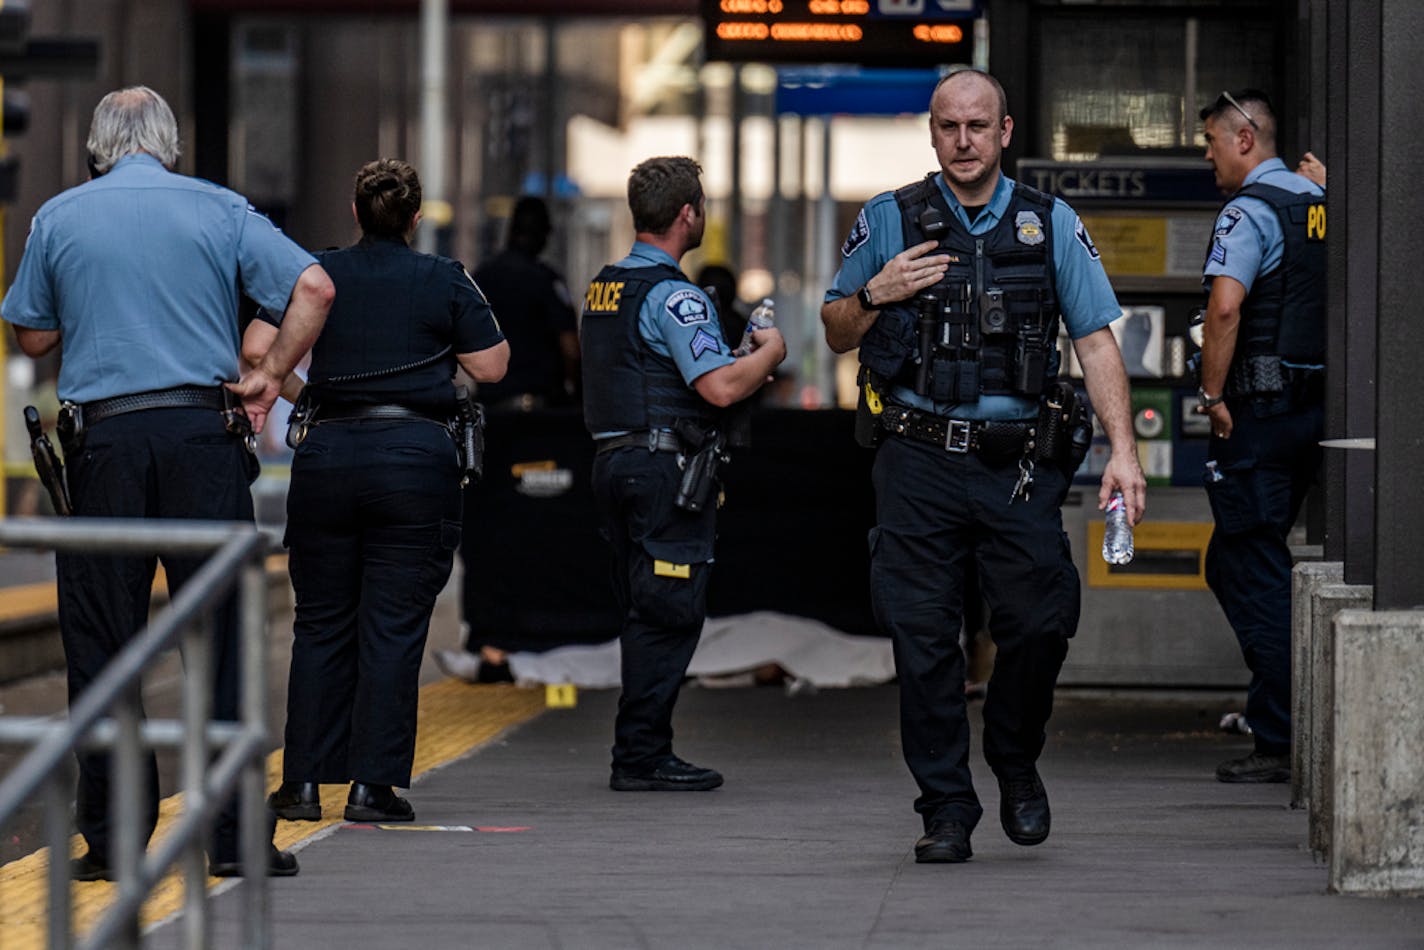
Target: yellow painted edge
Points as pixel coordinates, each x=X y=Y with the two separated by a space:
x=454 y=719
x=41 y=599
x=1152 y=536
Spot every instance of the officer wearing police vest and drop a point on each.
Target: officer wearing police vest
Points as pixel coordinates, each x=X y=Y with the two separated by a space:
x=1262 y=385
x=656 y=372
x=953 y=288
x=135 y=276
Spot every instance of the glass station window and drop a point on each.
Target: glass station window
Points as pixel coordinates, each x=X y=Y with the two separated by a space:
x=1149 y=75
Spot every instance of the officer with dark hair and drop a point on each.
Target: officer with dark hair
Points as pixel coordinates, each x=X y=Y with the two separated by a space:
x=656 y=372
x=953 y=289
x=1262 y=385
x=374 y=508
x=135 y=276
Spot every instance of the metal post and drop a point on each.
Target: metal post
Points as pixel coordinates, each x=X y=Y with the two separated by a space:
x=1359 y=181
x=256 y=840
x=1336 y=125
x=56 y=798
x=128 y=806
x=825 y=242
x=197 y=709
x=734 y=207
x=434 y=40
x=1399 y=511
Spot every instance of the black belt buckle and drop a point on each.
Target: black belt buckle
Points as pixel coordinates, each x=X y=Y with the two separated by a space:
x=958 y=434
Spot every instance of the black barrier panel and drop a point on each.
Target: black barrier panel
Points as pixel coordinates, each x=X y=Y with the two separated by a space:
x=792 y=536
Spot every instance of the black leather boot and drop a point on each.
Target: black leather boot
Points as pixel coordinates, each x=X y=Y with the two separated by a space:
x=376 y=803
x=296 y=801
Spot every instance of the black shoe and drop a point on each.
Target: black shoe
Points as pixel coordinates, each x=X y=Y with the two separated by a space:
x=376 y=803
x=672 y=775
x=296 y=801
x=1256 y=767
x=89 y=868
x=947 y=842
x=279 y=864
x=1023 y=808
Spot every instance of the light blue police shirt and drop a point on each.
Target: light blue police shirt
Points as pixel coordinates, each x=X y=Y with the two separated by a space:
x=677 y=320
x=1085 y=296
x=139 y=270
x=1248 y=241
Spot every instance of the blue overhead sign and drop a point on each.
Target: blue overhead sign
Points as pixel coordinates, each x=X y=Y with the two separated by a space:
x=848 y=90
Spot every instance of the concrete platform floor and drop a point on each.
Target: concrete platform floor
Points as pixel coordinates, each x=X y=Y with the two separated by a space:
x=809 y=844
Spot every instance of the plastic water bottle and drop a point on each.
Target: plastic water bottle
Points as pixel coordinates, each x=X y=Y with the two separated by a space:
x=1117 y=532
x=762 y=317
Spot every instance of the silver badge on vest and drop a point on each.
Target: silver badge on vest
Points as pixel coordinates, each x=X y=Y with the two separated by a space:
x=1028 y=228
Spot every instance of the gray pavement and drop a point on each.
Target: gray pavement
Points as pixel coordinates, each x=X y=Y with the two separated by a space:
x=809 y=844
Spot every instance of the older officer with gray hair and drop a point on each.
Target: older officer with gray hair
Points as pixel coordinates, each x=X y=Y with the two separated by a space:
x=135 y=275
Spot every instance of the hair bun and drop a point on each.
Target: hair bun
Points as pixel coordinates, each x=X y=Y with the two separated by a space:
x=385 y=184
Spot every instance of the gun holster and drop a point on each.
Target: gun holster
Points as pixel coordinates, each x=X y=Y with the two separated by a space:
x=69 y=426
x=469 y=435
x=707 y=450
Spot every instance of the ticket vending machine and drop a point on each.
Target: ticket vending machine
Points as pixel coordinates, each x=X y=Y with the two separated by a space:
x=1152 y=622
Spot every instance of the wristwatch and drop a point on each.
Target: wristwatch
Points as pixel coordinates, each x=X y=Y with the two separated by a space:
x=1205 y=401
x=863 y=295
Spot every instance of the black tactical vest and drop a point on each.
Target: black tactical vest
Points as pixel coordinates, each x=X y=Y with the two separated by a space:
x=1284 y=314
x=990 y=327
x=626 y=386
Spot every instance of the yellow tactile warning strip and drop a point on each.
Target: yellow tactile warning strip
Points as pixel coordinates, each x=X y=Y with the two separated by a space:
x=28 y=600
x=38 y=600
x=455 y=718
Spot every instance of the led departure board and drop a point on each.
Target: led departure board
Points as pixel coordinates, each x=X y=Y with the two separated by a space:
x=868 y=32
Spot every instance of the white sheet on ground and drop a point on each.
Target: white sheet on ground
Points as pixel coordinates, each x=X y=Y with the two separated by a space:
x=807 y=649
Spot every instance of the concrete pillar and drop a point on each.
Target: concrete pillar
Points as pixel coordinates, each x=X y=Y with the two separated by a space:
x=1377 y=837
x=1325 y=603
x=1307 y=577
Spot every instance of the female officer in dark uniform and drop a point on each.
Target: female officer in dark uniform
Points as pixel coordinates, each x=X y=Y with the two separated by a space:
x=373 y=513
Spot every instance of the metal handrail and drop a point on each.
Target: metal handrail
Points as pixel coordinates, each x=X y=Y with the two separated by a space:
x=237 y=550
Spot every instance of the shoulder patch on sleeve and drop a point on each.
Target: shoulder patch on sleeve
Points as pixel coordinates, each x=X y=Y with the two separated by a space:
x=704 y=342
x=688 y=308
x=1081 y=233
x=1228 y=220
x=859 y=234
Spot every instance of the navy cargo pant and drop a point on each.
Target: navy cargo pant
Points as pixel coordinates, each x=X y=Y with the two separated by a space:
x=373 y=521
x=1265 y=468
x=662 y=562
x=156 y=463
x=937 y=512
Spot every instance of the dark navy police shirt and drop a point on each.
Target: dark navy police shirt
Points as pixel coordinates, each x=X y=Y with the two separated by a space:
x=394 y=306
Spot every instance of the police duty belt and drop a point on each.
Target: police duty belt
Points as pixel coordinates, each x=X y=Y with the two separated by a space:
x=179 y=397
x=991 y=438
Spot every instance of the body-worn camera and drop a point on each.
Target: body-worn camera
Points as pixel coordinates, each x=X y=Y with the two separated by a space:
x=993 y=317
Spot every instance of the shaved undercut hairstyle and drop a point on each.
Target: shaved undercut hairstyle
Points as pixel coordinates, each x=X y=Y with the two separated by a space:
x=657 y=190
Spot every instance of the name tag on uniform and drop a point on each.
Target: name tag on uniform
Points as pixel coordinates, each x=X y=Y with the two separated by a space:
x=669 y=569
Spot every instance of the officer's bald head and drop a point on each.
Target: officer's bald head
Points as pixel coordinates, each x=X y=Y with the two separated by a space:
x=132 y=121
x=975 y=76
